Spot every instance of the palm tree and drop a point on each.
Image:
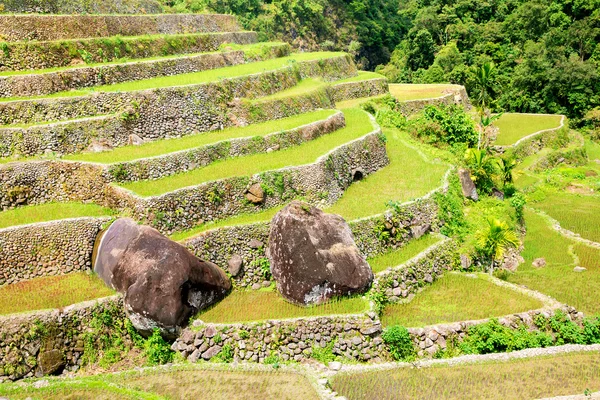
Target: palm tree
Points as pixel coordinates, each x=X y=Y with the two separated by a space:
x=483 y=95
x=485 y=121
x=495 y=239
x=506 y=166
x=483 y=168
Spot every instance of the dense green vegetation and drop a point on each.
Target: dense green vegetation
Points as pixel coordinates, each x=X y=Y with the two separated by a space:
x=451 y=299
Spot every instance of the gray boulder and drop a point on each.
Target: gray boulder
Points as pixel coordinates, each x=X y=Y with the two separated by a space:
x=162 y=282
x=468 y=186
x=314 y=257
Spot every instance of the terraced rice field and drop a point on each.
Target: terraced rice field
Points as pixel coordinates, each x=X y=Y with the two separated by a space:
x=407 y=92
x=557 y=279
x=51 y=212
x=514 y=127
x=399 y=256
x=51 y=292
x=266 y=304
x=532 y=378
x=452 y=298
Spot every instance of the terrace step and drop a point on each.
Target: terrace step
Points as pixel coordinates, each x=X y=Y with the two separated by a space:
x=81 y=6
x=14 y=28
x=69 y=78
x=22 y=56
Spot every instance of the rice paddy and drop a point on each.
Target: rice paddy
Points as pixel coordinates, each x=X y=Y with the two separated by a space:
x=51 y=212
x=458 y=297
x=514 y=127
x=399 y=256
x=51 y=292
x=407 y=92
x=260 y=305
x=532 y=378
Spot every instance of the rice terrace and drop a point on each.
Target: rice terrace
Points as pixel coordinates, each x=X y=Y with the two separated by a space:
x=299 y=199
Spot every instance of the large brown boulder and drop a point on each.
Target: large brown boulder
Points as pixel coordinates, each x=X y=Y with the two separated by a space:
x=468 y=186
x=313 y=256
x=162 y=282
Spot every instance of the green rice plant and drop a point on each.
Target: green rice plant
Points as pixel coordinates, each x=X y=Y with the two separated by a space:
x=458 y=297
x=50 y=212
x=244 y=306
x=406 y=92
x=399 y=256
x=513 y=126
x=51 y=292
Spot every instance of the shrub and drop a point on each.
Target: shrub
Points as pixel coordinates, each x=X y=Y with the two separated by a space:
x=399 y=343
x=323 y=354
x=444 y=125
x=157 y=350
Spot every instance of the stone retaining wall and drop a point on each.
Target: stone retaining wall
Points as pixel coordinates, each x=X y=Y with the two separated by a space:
x=326 y=179
x=531 y=145
x=31 y=344
x=359 y=89
x=250 y=241
x=81 y=6
x=355 y=338
x=192 y=107
x=15 y=28
x=169 y=164
x=458 y=96
x=89 y=76
x=23 y=56
x=46 y=249
x=431 y=339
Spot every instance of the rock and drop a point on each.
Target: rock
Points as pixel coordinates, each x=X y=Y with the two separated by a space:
x=255 y=244
x=211 y=352
x=539 y=263
x=255 y=194
x=97 y=146
x=497 y=193
x=468 y=187
x=135 y=140
x=234 y=265
x=465 y=261
x=162 y=282
x=335 y=365
x=314 y=257
x=579 y=269
x=50 y=362
x=419 y=230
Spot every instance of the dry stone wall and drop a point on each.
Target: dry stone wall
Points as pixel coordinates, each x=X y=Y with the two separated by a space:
x=15 y=28
x=46 y=249
x=354 y=338
x=81 y=6
x=161 y=166
x=458 y=96
x=89 y=76
x=22 y=56
x=44 y=342
x=359 y=89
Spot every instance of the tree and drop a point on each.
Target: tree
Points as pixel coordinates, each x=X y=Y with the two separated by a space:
x=421 y=51
x=483 y=98
x=506 y=166
x=483 y=168
x=495 y=239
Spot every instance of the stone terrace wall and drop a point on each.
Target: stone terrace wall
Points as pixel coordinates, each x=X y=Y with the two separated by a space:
x=530 y=145
x=250 y=241
x=31 y=343
x=45 y=249
x=403 y=282
x=82 y=77
x=359 y=89
x=161 y=166
x=15 y=28
x=21 y=56
x=327 y=178
x=355 y=338
x=81 y=6
x=193 y=102
x=431 y=339
x=458 y=96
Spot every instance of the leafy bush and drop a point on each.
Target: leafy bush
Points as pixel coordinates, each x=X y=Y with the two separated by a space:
x=450 y=209
x=399 y=343
x=157 y=350
x=444 y=125
x=492 y=337
x=323 y=354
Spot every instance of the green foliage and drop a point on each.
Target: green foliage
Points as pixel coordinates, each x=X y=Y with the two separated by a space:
x=157 y=350
x=446 y=125
x=399 y=343
x=225 y=355
x=323 y=354
x=495 y=239
x=451 y=209
x=483 y=169
x=518 y=201
x=263 y=265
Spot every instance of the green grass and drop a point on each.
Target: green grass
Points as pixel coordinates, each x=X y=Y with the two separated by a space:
x=160 y=147
x=178 y=382
x=408 y=176
x=355 y=103
x=358 y=124
x=399 y=256
x=304 y=86
x=225 y=48
x=592 y=149
x=260 y=305
x=194 y=77
x=50 y=212
x=406 y=92
x=531 y=378
x=51 y=292
x=575 y=212
x=457 y=297
x=515 y=126
x=557 y=279
x=362 y=76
